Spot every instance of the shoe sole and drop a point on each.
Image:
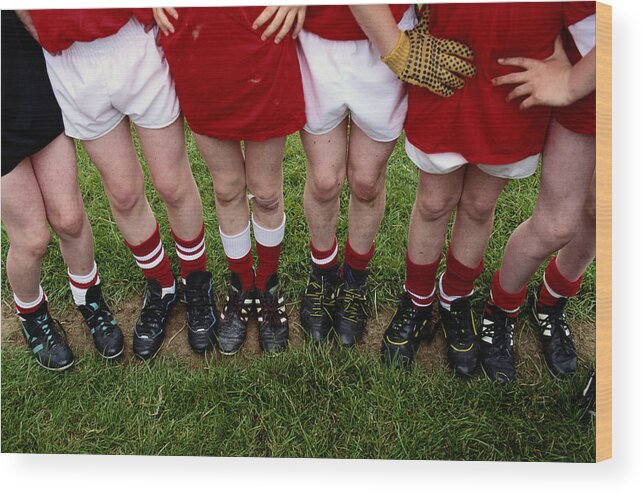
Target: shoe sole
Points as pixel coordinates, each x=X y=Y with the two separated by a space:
x=56 y=369
x=113 y=357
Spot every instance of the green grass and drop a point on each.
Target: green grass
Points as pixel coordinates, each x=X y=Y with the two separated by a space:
x=302 y=403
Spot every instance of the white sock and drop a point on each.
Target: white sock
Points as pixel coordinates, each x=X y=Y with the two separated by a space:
x=266 y=237
x=77 y=292
x=34 y=303
x=238 y=245
x=169 y=290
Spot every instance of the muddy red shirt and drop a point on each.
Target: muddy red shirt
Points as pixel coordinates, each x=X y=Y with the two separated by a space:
x=230 y=83
x=476 y=121
x=59 y=29
x=336 y=22
x=581 y=116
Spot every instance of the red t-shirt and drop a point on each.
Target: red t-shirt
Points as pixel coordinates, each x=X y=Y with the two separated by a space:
x=581 y=116
x=476 y=121
x=59 y=29
x=336 y=22
x=232 y=85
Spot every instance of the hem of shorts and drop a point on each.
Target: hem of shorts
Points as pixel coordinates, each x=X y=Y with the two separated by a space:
x=333 y=127
x=256 y=137
x=503 y=162
x=373 y=138
x=521 y=177
x=160 y=126
x=93 y=138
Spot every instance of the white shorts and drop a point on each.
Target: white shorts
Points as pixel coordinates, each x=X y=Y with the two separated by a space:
x=343 y=76
x=443 y=163
x=98 y=83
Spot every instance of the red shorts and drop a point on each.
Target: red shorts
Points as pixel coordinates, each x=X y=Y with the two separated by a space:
x=231 y=85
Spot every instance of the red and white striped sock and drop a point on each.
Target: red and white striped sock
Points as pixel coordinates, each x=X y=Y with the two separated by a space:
x=191 y=253
x=79 y=284
x=150 y=256
x=420 y=282
x=508 y=302
x=356 y=260
x=556 y=286
x=457 y=281
x=324 y=259
x=25 y=308
x=238 y=252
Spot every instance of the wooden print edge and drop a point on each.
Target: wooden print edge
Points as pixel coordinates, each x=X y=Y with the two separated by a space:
x=603 y=232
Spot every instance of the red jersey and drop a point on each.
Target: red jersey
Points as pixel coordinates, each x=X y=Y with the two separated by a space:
x=581 y=116
x=59 y=29
x=336 y=22
x=476 y=121
x=230 y=83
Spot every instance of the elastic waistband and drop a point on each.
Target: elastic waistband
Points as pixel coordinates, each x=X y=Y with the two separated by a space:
x=123 y=38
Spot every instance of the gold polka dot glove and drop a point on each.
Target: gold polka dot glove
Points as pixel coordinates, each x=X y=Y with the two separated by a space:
x=434 y=63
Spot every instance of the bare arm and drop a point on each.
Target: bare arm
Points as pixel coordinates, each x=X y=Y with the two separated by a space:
x=378 y=23
x=24 y=16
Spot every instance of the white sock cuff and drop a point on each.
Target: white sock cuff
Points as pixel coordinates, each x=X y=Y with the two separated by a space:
x=549 y=289
x=266 y=237
x=238 y=245
x=32 y=304
x=450 y=298
x=83 y=279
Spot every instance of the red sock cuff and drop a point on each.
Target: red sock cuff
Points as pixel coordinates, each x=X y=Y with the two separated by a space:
x=191 y=253
x=458 y=279
x=357 y=261
x=146 y=246
x=420 y=280
x=324 y=258
x=558 y=283
x=189 y=244
x=507 y=301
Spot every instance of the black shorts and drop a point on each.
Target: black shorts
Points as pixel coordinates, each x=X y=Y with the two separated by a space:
x=31 y=117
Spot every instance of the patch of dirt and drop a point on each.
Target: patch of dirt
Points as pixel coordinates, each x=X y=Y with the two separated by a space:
x=529 y=360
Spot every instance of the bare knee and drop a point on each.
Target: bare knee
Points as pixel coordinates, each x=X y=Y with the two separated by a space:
x=229 y=194
x=325 y=187
x=476 y=209
x=171 y=192
x=556 y=231
x=33 y=242
x=431 y=207
x=267 y=202
x=68 y=223
x=366 y=187
x=126 y=198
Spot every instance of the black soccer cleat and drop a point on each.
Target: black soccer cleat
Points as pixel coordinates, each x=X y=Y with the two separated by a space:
x=555 y=338
x=46 y=338
x=318 y=304
x=409 y=326
x=350 y=307
x=107 y=335
x=201 y=311
x=272 y=318
x=459 y=328
x=497 y=345
x=150 y=327
x=231 y=331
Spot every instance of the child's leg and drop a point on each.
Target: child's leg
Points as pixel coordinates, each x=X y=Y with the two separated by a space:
x=264 y=176
x=568 y=166
x=170 y=171
x=367 y=160
x=116 y=160
x=227 y=167
x=325 y=175
x=471 y=232
x=56 y=171
x=25 y=219
x=573 y=259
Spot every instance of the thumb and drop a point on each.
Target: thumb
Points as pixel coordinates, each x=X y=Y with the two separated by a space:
x=559 y=49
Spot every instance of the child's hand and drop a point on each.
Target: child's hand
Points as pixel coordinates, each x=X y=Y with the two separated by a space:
x=283 y=17
x=162 y=21
x=24 y=16
x=543 y=82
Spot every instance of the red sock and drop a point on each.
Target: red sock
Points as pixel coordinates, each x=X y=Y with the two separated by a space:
x=555 y=286
x=191 y=253
x=324 y=259
x=242 y=267
x=420 y=281
x=458 y=279
x=356 y=261
x=150 y=256
x=267 y=263
x=506 y=301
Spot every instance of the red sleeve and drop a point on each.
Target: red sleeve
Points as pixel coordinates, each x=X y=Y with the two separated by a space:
x=574 y=12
